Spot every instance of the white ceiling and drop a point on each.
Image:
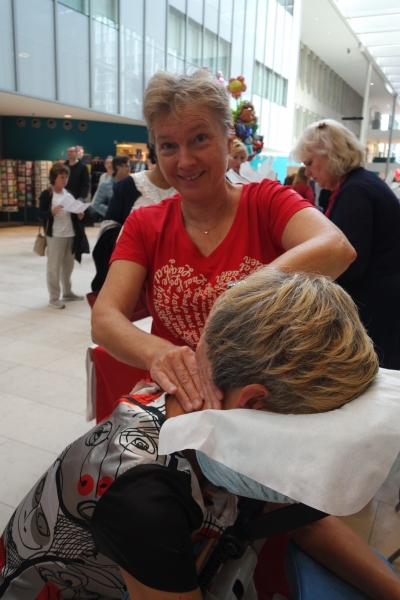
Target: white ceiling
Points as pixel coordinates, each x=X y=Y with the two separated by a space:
x=325 y=31
x=21 y=106
x=328 y=34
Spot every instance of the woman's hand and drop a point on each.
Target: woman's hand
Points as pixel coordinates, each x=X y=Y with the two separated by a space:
x=212 y=395
x=177 y=371
x=56 y=210
x=81 y=215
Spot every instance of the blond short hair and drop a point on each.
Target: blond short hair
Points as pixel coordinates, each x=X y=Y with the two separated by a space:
x=332 y=139
x=299 y=335
x=169 y=93
x=238 y=146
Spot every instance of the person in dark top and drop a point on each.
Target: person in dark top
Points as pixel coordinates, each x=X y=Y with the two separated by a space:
x=368 y=213
x=78 y=182
x=111 y=511
x=125 y=194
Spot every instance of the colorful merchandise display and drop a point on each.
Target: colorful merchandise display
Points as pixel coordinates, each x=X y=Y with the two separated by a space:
x=8 y=185
x=42 y=171
x=25 y=174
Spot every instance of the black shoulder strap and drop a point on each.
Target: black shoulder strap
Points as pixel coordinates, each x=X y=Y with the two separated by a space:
x=282 y=520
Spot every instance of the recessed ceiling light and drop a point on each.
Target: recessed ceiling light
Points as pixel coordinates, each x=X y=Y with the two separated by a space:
x=329 y=33
x=371 y=83
x=23 y=55
x=316 y=18
x=67 y=116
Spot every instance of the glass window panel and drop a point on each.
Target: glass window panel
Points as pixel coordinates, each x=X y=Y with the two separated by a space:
x=131 y=40
x=195 y=9
x=224 y=57
x=36 y=55
x=81 y=6
x=258 y=79
x=210 y=50
x=211 y=15
x=176 y=33
x=73 y=42
x=237 y=45
x=287 y=5
x=105 y=11
x=225 y=19
x=249 y=43
x=194 y=43
x=105 y=75
x=155 y=30
x=7 y=71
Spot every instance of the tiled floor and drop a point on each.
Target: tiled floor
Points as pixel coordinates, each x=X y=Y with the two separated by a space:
x=43 y=385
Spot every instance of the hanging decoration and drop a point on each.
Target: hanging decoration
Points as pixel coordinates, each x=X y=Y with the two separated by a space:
x=244 y=118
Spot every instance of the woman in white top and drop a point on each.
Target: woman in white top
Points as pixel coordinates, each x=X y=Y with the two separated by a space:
x=151 y=184
x=64 y=237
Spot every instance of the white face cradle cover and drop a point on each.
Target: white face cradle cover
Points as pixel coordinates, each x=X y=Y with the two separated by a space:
x=334 y=461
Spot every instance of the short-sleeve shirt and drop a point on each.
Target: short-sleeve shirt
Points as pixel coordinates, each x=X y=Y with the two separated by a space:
x=182 y=284
x=111 y=499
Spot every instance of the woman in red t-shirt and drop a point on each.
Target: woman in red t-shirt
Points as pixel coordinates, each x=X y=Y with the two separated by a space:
x=301 y=185
x=186 y=249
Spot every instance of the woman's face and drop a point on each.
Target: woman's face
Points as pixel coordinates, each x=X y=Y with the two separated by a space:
x=317 y=168
x=61 y=181
x=108 y=165
x=192 y=151
x=236 y=159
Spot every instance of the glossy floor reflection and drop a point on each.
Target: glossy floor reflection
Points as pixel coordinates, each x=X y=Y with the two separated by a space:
x=43 y=384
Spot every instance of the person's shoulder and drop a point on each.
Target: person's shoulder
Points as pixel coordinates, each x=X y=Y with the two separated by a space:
x=370 y=182
x=124 y=184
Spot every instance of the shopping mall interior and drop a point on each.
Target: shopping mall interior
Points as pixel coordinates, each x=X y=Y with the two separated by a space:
x=73 y=74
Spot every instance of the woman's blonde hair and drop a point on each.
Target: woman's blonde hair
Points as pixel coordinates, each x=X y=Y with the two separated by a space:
x=332 y=139
x=238 y=146
x=299 y=335
x=169 y=93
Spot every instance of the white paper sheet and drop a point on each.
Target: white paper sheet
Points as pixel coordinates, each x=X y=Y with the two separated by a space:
x=333 y=461
x=73 y=206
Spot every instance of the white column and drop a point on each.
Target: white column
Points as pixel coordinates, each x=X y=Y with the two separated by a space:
x=365 y=111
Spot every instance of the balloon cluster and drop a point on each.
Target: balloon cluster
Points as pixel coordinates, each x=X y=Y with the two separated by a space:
x=244 y=118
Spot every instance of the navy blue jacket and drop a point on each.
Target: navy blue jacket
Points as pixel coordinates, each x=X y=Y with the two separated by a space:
x=368 y=213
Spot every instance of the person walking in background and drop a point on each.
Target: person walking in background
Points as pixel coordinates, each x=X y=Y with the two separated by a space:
x=65 y=237
x=366 y=210
x=120 y=166
x=109 y=170
x=301 y=185
x=78 y=181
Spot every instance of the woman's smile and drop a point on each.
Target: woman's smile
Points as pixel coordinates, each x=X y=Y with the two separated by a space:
x=192 y=152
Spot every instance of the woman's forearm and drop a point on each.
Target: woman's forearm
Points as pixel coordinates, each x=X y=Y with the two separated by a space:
x=334 y=545
x=314 y=245
x=124 y=341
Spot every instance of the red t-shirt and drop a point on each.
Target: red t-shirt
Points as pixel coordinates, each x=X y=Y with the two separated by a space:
x=183 y=284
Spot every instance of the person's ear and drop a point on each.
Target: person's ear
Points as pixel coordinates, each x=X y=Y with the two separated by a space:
x=252 y=396
x=230 y=142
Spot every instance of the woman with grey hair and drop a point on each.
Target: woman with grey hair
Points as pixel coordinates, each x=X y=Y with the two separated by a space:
x=368 y=213
x=186 y=249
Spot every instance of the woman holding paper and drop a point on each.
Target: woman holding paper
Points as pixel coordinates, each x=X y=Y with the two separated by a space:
x=65 y=235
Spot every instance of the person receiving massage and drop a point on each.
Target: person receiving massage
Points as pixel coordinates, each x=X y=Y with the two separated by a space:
x=276 y=342
x=186 y=249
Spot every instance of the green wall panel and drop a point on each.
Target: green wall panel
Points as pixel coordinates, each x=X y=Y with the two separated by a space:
x=28 y=143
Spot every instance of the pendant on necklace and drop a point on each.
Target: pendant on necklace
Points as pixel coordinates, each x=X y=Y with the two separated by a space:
x=206 y=232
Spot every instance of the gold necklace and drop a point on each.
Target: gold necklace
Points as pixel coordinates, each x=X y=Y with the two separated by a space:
x=210 y=228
